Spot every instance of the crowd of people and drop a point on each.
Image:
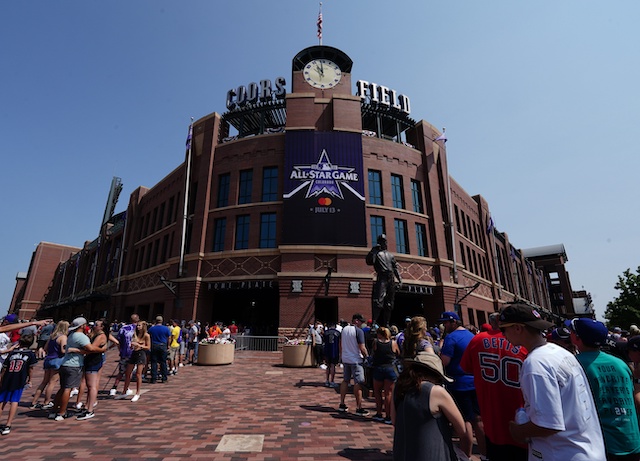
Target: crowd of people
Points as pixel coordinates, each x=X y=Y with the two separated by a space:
x=73 y=356
x=520 y=387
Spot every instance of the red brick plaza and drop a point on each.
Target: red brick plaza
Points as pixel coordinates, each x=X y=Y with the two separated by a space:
x=208 y=413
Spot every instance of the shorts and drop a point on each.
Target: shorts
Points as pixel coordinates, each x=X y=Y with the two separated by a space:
x=385 y=373
x=11 y=396
x=191 y=346
x=355 y=371
x=467 y=402
x=70 y=377
x=173 y=351
x=137 y=358
x=122 y=365
x=332 y=360
x=183 y=347
x=41 y=343
x=48 y=366
x=94 y=368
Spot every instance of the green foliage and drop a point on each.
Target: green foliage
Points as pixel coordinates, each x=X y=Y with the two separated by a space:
x=625 y=309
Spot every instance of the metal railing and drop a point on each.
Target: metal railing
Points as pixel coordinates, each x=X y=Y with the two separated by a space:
x=259 y=343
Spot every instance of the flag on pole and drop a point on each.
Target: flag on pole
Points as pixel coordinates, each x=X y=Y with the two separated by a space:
x=319 y=23
x=443 y=136
x=189 y=137
x=490 y=226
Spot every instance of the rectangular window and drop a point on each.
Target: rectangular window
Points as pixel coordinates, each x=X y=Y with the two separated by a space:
x=402 y=239
x=246 y=187
x=375 y=187
x=421 y=239
x=223 y=190
x=377 y=227
x=270 y=184
x=397 y=191
x=242 y=232
x=170 y=212
x=416 y=193
x=268 y=230
x=219 y=231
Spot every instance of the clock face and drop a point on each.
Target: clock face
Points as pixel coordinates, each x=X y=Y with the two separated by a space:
x=322 y=73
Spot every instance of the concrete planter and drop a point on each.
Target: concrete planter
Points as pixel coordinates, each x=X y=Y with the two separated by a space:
x=297 y=356
x=215 y=354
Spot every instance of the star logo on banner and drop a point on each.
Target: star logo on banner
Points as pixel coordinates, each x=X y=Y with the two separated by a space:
x=324 y=177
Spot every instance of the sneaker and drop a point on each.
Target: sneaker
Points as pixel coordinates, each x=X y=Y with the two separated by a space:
x=47 y=406
x=74 y=392
x=335 y=385
x=323 y=366
x=86 y=415
x=59 y=418
x=327 y=384
x=387 y=420
x=5 y=430
x=35 y=406
x=129 y=392
x=342 y=407
x=362 y=412
x=378 y=417
x=113 y=392
x=135 y=398
x=181 y=364
x=79 y=405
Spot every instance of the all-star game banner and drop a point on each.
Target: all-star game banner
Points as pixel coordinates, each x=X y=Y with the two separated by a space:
x=324 y=202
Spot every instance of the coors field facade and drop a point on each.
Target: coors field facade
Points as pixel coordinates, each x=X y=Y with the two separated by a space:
x=269 y=219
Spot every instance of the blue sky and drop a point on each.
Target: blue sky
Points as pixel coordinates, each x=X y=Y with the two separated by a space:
x=540 y=101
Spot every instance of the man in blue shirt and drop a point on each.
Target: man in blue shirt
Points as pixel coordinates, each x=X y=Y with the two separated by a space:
x=160 y=342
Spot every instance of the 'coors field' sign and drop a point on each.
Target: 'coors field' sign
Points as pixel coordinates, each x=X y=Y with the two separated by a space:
x=324 y=201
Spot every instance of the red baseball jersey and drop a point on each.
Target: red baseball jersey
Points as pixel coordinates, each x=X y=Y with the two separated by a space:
x=495 y=364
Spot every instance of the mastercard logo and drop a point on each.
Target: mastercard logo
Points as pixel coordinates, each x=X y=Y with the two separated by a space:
x=324 y=201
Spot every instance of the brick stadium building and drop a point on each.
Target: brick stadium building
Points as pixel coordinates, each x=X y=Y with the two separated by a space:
x=286 y=191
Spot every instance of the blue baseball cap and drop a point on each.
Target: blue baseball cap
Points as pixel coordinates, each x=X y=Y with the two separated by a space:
x=592 y=332
x=449 y=317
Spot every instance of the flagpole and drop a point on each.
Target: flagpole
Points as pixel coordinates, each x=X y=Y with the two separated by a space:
x=185 y=215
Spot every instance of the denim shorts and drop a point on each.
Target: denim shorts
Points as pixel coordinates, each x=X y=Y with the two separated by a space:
x=385 y=373
x=355 y=371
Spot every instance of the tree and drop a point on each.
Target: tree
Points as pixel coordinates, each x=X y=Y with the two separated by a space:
x=625 y=309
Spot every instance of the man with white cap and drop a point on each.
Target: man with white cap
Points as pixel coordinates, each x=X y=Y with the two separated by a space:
x=71 y=367
x=562 y=417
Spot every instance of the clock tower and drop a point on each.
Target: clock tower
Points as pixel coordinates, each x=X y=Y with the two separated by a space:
x=321 y=96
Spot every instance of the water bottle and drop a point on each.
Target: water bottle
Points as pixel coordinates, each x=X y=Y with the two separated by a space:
x=521 y=416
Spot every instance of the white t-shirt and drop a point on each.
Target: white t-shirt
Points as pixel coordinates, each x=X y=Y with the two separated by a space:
x=557 y=396
x=5 y=342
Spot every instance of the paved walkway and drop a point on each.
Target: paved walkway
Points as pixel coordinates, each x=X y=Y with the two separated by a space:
x=253 y=409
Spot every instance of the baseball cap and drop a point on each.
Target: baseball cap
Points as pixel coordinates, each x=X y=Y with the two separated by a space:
x=430 y=361
x=617 y=330
x=526 y=315
x=77 y=323
x=560 y=334
x=159 y=319
x=448 y=316
x=592 y=332
x=407 y=319
x=11 y=318
x=358 y=317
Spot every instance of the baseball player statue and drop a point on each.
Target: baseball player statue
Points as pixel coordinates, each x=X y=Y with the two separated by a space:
x=384 y=289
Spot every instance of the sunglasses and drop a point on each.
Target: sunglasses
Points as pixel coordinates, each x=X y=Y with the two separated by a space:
x=504 y=326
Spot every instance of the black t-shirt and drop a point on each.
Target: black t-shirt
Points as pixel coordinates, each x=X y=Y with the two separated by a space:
x=16 y=369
